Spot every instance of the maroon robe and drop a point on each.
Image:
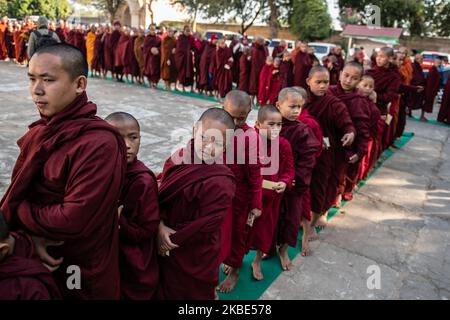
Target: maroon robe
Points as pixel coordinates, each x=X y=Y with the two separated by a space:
x=120 y=50
x=263 y=231
x=258 y=55
x=131 y=65
x=444 y=111
x=168 y=72
x=302 y=66
x=22 y=275
x=138 y=231
x=108 y=57
x=152 y=62
x=278 y=52
x=431 y=89
x=415 y=99
x=80 y=42
x=224 y=72
x=10 y=46
x=387 y=85
x=194 y=198
x=205 y=61
x=248 y=192
x=335 y=121
x=264 y=84
x=61 y=34
x=305 y=147
x=244 y=73
x=286 y=74
x=65 y=186
x=183 y=60
x=98 y=59
x=70 y=37
x=345 y=174
x=376 y=125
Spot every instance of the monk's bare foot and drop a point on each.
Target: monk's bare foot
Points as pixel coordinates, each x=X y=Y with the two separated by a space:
x=256 y=271
x=337 y=203
x=322 y=222
x=226 y=269
x=307 y=230
x=230 y=281
x=286 y=263
x=313 y=236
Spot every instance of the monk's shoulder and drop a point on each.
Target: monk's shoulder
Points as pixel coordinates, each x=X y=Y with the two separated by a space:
x=98 y=139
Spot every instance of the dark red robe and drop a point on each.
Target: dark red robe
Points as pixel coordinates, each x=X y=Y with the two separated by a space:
x=152 y=62
x=431 y=89
x=302 y=66
x=61 y=34
x=286 y=74
x=248 y=192
x=263 y=231
x=183 y=60
x=98 y=59
x=120 y=50
x=244 y=73
x=345 y=174
x=264 y=84
x=3 y=48
x=131 y=65
x=224 y=72
x=205 y=61
x=80 y=42
x=137 y=236
x=10 y=45
x=168 y=71
x=278 y=52
x=70 y=37
x=416 y=99
x=22 y=275
x=444 y=111
x=335 y=121
x=305 y=147
x=258 y=55
x=194 y=199
x=108 y=50
x=65 y=186
x=387 y=86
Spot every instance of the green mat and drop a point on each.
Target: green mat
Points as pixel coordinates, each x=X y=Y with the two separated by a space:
x=434 y=122
x=249 y=289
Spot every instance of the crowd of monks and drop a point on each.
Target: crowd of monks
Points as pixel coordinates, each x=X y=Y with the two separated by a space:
x=80 y=197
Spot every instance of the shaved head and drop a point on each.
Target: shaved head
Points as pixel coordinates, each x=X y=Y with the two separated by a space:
x=356 y=65
x=291 y=91
x=317 y=69
x=220 y=115
x=73 y=60
x=238 y=99
x=120 y=117
x=302 y=91
x=388 y=51
x=264 y=111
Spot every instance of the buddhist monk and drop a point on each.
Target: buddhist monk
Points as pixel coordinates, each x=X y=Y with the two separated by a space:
x=168 y=67
x=431 y=88
x=108 y=58
x=258 y=54
x=152 y=55
x=261 y=236
x=98 y=64
x=247 y=203
x=139 y=53
x=138 y=219
x=10 y=45
x=337 y=52
x=66 y=183
x=279 y=49
x=79 y=40
x=90 y=43
x=416 y=99
x=114 y=40
x=183 y=58
x=196 y=194
x=264 y=81
x=245 y=65
x=61 y=30
x=224 y=64
x=444 y=111
x=131 y=66
x=22 y=275
x=205 y=79
x=304 y=146
x=120 y=52
x=337 y=128
x=302 y=65
x=286 y=71
x=3 y=27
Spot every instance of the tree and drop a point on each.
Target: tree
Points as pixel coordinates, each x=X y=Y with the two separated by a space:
x=193 y=8
x=52 y=9
x=408 y=14
x=109 y=6
x=310 y=20
x=437 y=18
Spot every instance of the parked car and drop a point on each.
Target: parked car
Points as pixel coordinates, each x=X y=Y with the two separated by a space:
x=430 y=56
x=275 y=42
x=321 y=49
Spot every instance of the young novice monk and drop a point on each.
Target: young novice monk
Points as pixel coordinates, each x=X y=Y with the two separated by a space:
x=139 y=218
x=347 y=160
x=264 y=81
x=304 y=148
x=261 y=236
x=337 y=128
x=247 y=204
x=22 y=274
x=194 y=199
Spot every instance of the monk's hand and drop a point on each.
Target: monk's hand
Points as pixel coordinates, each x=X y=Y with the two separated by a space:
x=420 y=88
x=353 y=159
x=256 y=212
x=384 y=117
x=168 y=62
x=373 y=96
x=119 y=210
x=280 y=187
x=347 y=139
x=41 y=245
x=164 y=242
x=293 y=183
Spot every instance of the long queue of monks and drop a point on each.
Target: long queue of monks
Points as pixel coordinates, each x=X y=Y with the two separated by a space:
x=80 y=198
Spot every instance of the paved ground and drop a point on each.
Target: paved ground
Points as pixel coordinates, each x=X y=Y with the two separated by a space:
x=399 y=222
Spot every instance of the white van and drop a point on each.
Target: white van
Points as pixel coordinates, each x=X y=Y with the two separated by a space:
x=321 y=49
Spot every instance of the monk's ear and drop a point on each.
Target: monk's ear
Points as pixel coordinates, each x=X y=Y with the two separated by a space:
x=81 y=84
x=257 y=124
x=277 y=105
x=4 y=249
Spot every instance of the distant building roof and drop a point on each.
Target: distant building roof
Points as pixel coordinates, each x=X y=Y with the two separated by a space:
x=353 y=30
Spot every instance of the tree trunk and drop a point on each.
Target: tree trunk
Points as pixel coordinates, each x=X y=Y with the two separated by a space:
x=273 y=22
x=194 y=23
x=152 y=21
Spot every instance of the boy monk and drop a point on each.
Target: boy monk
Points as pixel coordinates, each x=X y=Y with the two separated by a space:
x=67 y=180
x=264 y=82
x=261 y=236
x=139 y=217
x=194 y=199
x=337 y=128
x=431 y=88
x=22 y=275
x=247 y=202
x=347 y=160
x=304 y=146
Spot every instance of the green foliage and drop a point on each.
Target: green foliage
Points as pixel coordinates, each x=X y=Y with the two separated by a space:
x=310 y=20
x=52 y=9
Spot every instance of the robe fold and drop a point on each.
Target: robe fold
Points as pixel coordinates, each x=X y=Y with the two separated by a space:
x=131 y=65
x=98 y=58
x=258 y=54
x=431 y=89
x=302 y=66
x=120 y=51
x=244 y=73
x=224 y=72
x=3 y=48
x=168 y=71
x=286 y=74
x=444 y=111
x=416 y=99
x=152 y=62
x=205 y=79
x=139 y=53
x=183 y=60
